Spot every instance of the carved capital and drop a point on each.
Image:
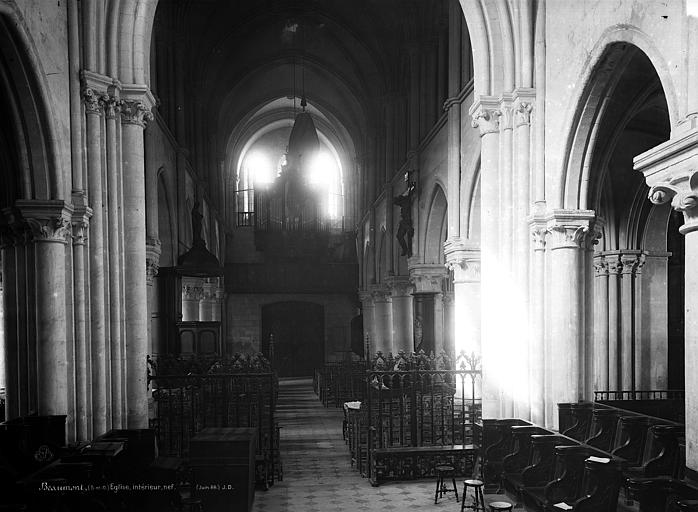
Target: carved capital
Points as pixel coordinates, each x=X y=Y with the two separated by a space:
x=400 y=286
x=682 y=193
x=380 y=293
x=365 y=297
x=112 y=107
x=463 y=260
x=523 y=113
x=486 y=120
x=613 y=263
x=135 y=112
x=48 y=221
x=600 y=266
x=631 y=262
x=93 y=100
x=428 y=278
x=571 y=229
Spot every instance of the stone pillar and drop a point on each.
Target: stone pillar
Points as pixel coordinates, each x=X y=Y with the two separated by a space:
x=600 y=323
x=367 y=312
x=112 y=109
x=464 y=262
x=134 y=115
x=538 y=348
x=94 y=112
x=486 y=115
x=49 y=222
x=614 y=269
x=449 y=303
x=630 y=262
x=401 y=299
x=383 y=314
x=670 y=172
x=83 y=380
x=152 y=265
x=568 y=231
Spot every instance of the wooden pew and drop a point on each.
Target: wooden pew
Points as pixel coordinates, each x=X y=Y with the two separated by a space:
x=540 y=468
x=581 y=414
x=567 y=478
x=661 y=455
x=603 y=428
x=630 y=439
x=497 y=443
x=600 y=486
x=661 y=494
x=514 y=463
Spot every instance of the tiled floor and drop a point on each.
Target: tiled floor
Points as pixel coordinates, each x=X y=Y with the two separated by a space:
x=317 y=473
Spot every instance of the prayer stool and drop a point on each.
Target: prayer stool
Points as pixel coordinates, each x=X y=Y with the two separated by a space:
x=441 y=471
x=497 y=506
x=479 y=501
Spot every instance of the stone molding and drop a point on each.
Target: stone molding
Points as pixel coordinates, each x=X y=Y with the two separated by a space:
x=462 y=260
x=571 y=229
x=48 y=221
x=400 y=286
x=135 y=112
x=81 y=224
x=670 y=172
x=152 y=259
x=365 y=297
x=380 y=293
x=428 y=278
x=600 y=266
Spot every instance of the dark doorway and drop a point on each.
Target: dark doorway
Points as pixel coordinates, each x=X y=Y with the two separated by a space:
x=299 y=337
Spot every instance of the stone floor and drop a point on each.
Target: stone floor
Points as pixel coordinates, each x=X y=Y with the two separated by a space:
x=317 y=473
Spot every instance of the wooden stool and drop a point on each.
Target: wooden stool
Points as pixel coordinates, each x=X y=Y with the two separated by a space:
x=479 y=501
x=496 y=506
x=441 y=471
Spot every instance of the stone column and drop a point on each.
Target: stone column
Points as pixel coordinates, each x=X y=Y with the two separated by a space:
x=568 y=230
x=449 y=302
x=600 y=324
x=152 y=265
x=464 y=262
x=383 y=314
x=112 y=109
x=94 y=112
x=134 y=114
x=538 y=348
x=630 y=261
x=401 y=299
x=485 y=113
x=49 y=222
x=83 y=381
x=367 y=312
x=670 y=172
x=614 y=269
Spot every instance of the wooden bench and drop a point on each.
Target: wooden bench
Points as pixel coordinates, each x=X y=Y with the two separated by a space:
x=414 y=462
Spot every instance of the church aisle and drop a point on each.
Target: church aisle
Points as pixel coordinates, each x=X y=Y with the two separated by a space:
x=317 y=473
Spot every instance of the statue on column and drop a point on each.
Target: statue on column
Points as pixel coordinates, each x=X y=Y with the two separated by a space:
x=405 y=229
x=196 y=225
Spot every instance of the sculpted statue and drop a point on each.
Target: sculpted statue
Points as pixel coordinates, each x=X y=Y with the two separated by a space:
x=405 y=229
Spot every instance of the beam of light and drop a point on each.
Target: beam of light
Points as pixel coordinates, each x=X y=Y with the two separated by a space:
x=692 y=8
x=260 y=168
